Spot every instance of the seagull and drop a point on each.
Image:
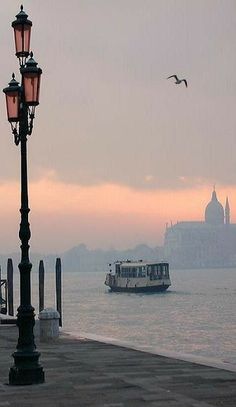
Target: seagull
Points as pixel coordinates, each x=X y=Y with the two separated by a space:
x=178 y=81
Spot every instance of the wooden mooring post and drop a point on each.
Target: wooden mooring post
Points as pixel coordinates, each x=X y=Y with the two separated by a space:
x=10 y=287
x=3 y=294
x=58 y=289
x=0 y=288
x=41 y=285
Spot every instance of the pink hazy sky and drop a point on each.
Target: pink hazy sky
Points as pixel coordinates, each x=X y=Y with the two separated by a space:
x=117 y=150
x=102 y=216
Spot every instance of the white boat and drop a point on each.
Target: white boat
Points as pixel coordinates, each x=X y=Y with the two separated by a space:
x=138 y=276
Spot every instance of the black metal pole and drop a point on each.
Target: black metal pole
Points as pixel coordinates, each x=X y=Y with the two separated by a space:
x=26 y=369
x=58 y=289
x=10 y=287
x=41 y=286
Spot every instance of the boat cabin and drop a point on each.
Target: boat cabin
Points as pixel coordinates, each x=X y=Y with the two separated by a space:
x=140 y=269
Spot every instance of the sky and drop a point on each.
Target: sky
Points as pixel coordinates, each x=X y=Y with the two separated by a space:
x=118 y=150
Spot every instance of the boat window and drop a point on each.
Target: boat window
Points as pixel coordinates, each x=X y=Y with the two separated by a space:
x=155 y=271
x=124 y=272
x=118 y=269
x=132 y=272
x=141 y=271
x=153 y=275
x=166 y=270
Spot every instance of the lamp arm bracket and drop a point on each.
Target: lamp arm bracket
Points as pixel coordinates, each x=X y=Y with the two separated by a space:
x=16 y=136
x=31 y=123
x=29 y=129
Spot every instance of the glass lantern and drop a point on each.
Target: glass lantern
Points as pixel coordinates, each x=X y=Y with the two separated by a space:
x=13 y=92
x=22 y=31
x=31 y=75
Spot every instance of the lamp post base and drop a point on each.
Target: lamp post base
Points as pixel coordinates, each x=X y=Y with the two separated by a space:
x=26 y=370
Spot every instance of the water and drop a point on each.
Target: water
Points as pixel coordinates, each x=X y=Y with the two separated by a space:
x=195 y=316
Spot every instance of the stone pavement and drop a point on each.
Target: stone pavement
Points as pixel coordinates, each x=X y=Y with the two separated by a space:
x=82 y=372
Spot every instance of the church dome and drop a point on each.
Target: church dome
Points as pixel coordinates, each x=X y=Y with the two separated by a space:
x=214 y=212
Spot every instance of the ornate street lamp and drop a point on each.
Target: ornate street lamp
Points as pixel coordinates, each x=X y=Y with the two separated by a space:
x=21 y=102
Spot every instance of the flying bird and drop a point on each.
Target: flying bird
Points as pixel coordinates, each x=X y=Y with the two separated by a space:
x=178 y=81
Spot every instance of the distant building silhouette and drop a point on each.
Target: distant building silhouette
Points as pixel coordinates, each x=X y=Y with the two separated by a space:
x=210 y=243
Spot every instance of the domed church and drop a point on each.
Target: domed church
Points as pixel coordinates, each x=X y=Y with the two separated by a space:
x=210 y=243
x=214 y=212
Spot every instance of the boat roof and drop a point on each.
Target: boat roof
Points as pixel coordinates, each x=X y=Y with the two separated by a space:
x=139 y=263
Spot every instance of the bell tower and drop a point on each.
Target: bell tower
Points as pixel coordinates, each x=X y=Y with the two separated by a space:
x=227 y=212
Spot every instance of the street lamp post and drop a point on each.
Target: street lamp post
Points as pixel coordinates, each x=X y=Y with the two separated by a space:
x=21 y=102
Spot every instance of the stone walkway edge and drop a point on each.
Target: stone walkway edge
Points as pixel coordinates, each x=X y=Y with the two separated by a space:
x=155 y=350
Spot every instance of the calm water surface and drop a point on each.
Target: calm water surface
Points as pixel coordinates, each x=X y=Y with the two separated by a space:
x=196 y=315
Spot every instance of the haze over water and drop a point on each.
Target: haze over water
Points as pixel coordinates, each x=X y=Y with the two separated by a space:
x=195 y=316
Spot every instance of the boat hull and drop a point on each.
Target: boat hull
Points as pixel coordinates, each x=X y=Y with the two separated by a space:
x=146 y=289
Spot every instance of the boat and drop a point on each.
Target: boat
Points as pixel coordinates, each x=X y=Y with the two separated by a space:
x=138 y=276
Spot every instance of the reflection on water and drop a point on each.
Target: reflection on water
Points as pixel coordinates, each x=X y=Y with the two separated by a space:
x=196 y=315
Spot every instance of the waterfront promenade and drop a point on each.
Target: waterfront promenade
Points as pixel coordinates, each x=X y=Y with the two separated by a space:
x=83 y=372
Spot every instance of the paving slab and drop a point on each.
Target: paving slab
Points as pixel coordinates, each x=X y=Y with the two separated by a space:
x=88 y=373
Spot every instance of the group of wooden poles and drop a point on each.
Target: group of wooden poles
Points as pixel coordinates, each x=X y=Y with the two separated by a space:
x=6 y=289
